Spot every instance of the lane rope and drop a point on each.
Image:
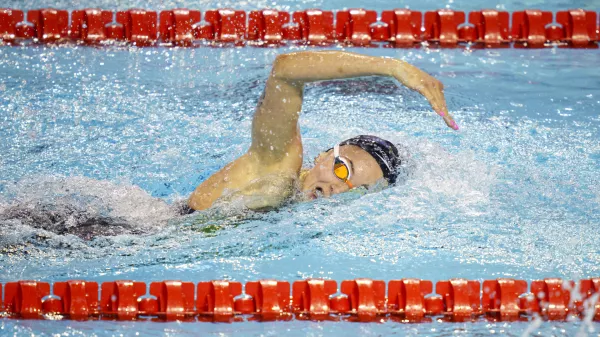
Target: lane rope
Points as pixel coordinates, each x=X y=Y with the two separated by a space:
x=400 y=28
x=362 y=300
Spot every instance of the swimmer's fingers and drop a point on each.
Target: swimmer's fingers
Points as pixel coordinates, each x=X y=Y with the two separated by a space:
x=433 y=90
x=441 y=108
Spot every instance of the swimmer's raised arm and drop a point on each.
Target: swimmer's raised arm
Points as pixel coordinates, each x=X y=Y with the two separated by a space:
x=326 y=65
x=275 y=121
x=268 y=171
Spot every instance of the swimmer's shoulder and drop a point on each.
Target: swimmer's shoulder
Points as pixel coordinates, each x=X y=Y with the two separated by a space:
x=265 y=192
x=252 y=174
x=251 y=188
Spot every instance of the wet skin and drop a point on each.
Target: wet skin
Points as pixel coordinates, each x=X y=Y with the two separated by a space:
x=321 y=181
x=266 y=175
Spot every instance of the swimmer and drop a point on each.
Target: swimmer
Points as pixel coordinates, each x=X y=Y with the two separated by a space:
x=271 y=171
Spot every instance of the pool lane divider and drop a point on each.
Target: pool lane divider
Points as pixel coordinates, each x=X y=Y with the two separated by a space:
x=361 y=300
x=399 y=28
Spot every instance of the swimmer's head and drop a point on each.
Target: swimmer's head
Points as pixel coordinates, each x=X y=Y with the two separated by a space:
x=360 y=161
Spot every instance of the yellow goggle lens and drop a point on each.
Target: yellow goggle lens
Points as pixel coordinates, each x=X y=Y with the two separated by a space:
x=341 y=171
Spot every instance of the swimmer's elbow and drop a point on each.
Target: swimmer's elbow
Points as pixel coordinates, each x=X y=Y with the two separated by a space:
x=285 y=67
x=280 y=66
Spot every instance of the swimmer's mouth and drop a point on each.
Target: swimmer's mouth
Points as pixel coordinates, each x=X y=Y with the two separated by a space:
x=312 y=195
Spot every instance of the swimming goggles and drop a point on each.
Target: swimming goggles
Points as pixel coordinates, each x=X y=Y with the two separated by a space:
x=341 y=167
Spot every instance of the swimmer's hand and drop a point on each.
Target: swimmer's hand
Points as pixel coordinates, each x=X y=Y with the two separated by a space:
x=428 y=86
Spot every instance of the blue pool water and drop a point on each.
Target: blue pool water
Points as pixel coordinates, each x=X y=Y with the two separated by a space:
x=99 y=144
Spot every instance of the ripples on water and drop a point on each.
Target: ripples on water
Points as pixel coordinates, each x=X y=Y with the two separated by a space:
x=101 y=146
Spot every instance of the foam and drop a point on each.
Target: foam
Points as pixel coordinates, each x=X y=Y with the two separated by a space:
x=82 y=206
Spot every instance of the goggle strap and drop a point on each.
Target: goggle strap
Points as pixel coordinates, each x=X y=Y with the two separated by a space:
x=336 y=154
x=336 y=150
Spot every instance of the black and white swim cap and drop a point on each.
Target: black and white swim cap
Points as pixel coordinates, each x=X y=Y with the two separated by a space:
x=385 y=153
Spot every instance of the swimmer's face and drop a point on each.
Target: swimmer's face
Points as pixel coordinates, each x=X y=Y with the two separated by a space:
x=321 y=181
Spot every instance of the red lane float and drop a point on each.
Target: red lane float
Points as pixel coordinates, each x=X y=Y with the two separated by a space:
x=89 y=25
x=140 y=26
x=363 y=300
x=366 y=297
x=78 y=299
x=316 y=26
x=461 y=298
x=590 y=301
x=268 y=26
x=442 y=26
x=406 y=299
x=24 y=298
x=9 y=18
x=119 y=299
x=311 y=298
x=354 y=26
x=49 y=25
x=404 y=27
x=579 y=28
x=531 y=28
x=175 y=300
x=215 y=300
x=225 y=25
x=491 y=28
x=551 y=298
x=176 y=26
x=500 y=298
x=271 y=298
